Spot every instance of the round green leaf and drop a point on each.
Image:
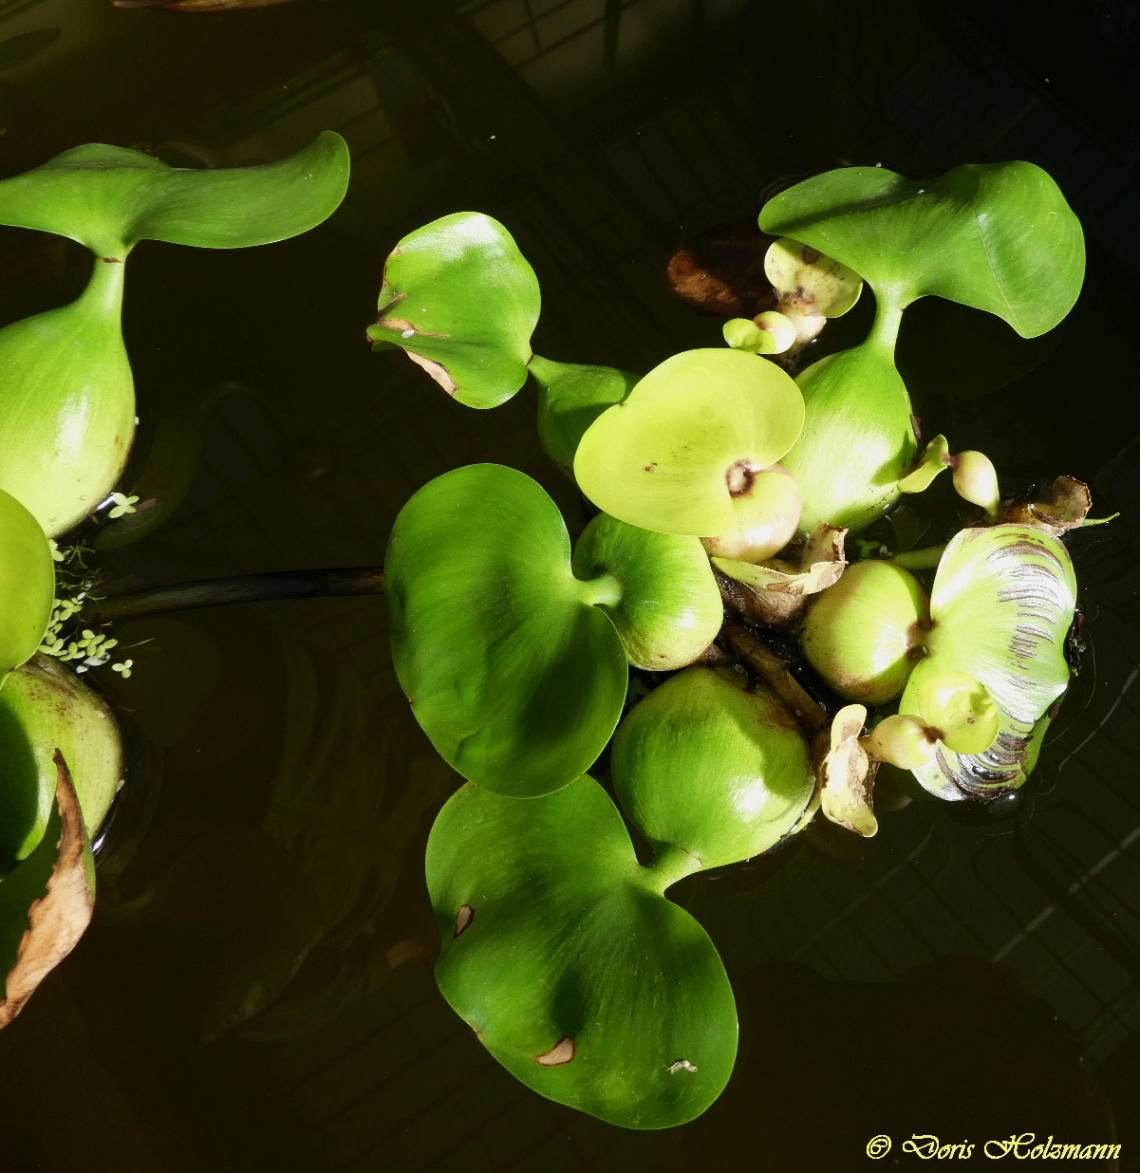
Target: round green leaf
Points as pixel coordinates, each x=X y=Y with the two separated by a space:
x=27 y=584
x=1002 y=604
x=44 y=707
x=670 y=608
x=863 y=634
x=857 y=440
x=996 y=236
x=709 y=766
x=577 y=975
x=67 y=414
x=109 y=198
x=462 y=301
x=570 y=397
x=698 y=425
x=514 y=674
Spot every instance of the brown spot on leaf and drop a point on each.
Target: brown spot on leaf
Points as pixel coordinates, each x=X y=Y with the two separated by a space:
x=437 y=371
x=811 y=255
x=740 y=477
x=463 y=919
x=562 y=1052
x=59 y=918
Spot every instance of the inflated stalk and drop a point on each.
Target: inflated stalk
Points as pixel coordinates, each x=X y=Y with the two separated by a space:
x=997 y=237
x=67 y=412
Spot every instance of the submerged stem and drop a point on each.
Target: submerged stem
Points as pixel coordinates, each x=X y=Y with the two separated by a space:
x=240 y=588
x=924 y=559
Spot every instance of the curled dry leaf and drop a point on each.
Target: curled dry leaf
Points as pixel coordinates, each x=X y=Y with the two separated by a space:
x=1058 y=507
x=775 y=592
x=59 y=876
x=847 y=775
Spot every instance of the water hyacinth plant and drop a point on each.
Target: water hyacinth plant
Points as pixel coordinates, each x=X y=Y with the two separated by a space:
x=728 y=497
x=777 y=660
x=67 y=422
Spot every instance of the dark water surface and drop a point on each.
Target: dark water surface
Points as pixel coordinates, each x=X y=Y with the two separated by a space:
x=965 y=974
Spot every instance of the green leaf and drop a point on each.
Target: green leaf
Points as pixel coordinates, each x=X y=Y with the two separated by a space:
x=998 y=237
x=110 y=198
x=578 y=976
x=44 y=707
x=67 y=414
x=570 y=398
x=514 y=674
x=671 y=455
x=46 y=903
x=462 y=301
x=27 y=584
x=857 y=440
x=709 y=766
x=1002 y=604
x=670 y=608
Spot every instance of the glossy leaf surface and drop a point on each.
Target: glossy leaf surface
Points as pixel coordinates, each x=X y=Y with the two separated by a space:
x=998 y=237
x=514 y=674
x=45 y=707
x=67 y=404
x=577 y=974
x=570 y=397
x=668 y=457
x=670 y=609
x=462 y=301
x=110 y=198
x=707 y=766
x=1002 y=604
x=27 y=584
x=46 y=903
x=857 y=439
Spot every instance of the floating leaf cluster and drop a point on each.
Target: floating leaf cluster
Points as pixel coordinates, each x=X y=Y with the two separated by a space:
x=729 y=495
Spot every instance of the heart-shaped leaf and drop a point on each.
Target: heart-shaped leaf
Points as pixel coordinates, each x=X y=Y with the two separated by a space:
x=1002 y=604
x=27 y=584
x=109 y=198
x=46 y=903
x=670 y=609
x=462 y=301
x=511 y=670
x=575 y=972
x=67 y=412
x=570 y=397
x=691 y=435
x=996 y=236
x=714 y=768
x=45 y=708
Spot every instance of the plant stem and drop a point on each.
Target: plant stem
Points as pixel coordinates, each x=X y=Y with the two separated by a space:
x=670 y=864
x=924 y=559
x=779 y=679
x=240 y=588
x=885 y=331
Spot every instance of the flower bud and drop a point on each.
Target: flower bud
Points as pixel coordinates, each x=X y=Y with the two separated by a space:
x=975 y=480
